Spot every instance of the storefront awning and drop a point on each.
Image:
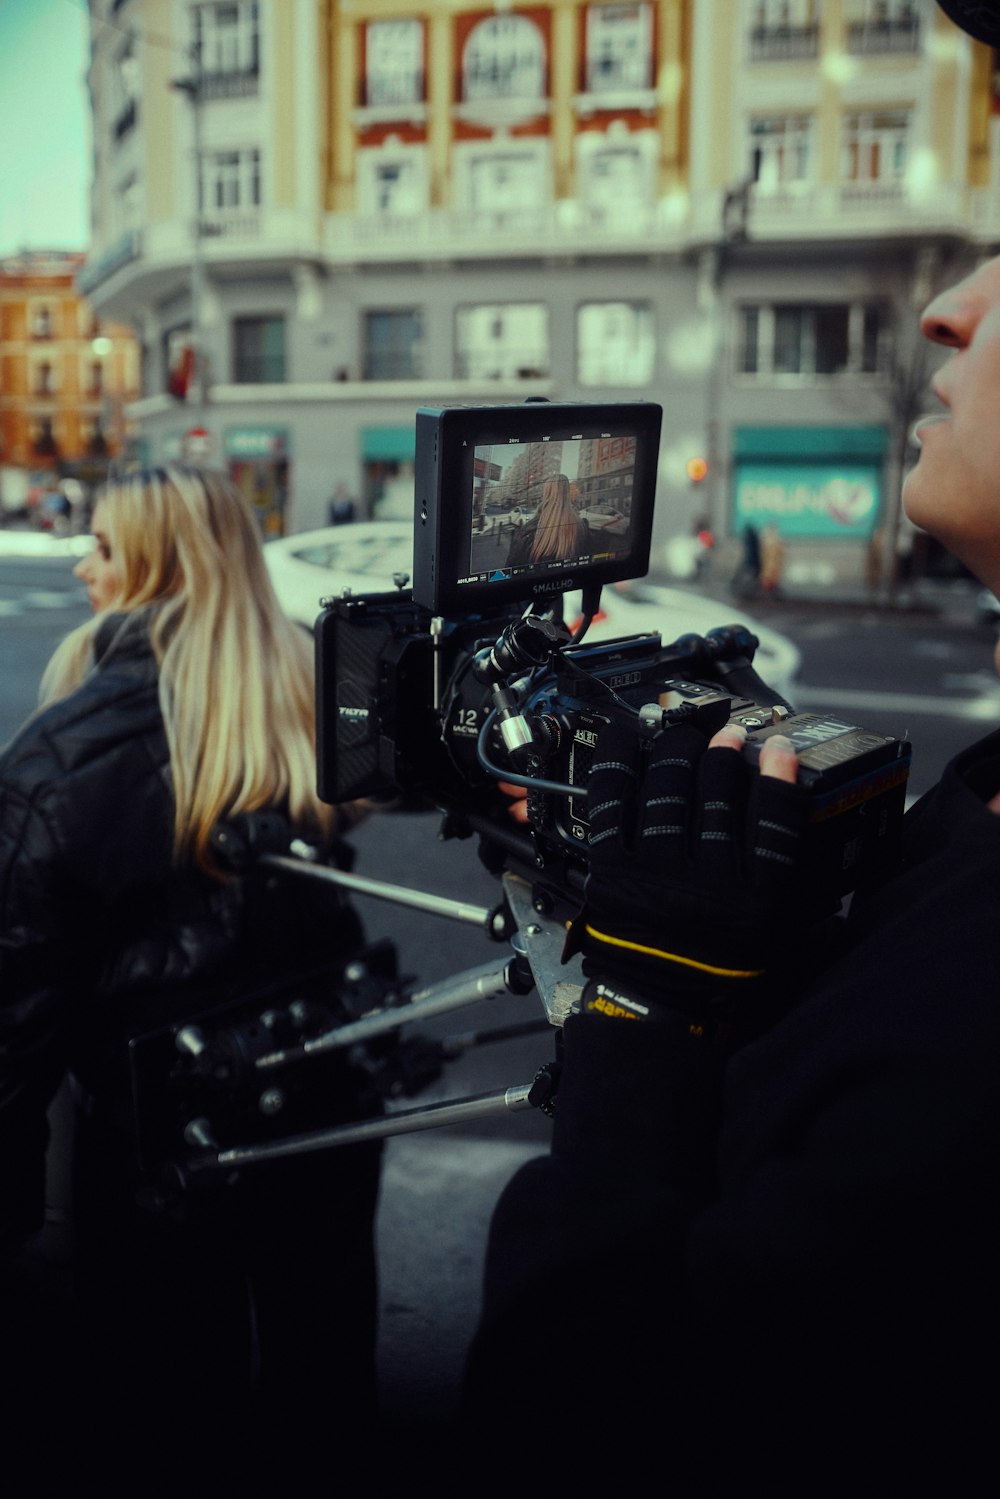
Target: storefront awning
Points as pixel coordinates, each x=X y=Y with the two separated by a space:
x=792 y=444
x=387 y=444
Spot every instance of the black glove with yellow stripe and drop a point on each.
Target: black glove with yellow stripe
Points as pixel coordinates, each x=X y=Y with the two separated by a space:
x=694 y=880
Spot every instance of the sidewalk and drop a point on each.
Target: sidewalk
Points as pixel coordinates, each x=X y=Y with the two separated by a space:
x=953 y=600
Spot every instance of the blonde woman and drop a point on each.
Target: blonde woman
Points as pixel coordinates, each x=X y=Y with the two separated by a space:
x=557 y=533
x=185 y=703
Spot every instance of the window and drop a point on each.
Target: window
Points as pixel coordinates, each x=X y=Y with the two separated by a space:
x=875 y=146
x=41 y=322
x=619 y=48
x=125 y=89
x=43 y=438
x=393 y=343
x=507 y=180
x=808 y=340
x=780 y=151
x=44 y=382
x=502 y=341
x=783 y=29
x=229 y=180
x=126 y=204
x=94 y=439
x=887 y=26
x=259 y=350
x=394 y=63
x=392 y=181
x=616 y=169
x=615 y=343
x=504 y=58
x=227 y=39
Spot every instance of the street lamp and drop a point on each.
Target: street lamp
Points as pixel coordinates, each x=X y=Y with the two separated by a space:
x=733 y=230
x=101 y=347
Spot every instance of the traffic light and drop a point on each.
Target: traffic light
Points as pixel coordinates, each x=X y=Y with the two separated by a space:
x=697 y=469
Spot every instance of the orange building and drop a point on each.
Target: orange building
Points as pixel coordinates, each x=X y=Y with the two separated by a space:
x=64 y=377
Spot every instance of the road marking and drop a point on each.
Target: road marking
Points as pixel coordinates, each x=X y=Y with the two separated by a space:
x=982 y=709
x=54 y=598
x=43 y=598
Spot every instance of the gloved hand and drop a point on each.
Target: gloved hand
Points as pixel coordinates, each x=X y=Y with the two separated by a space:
x=694 y=874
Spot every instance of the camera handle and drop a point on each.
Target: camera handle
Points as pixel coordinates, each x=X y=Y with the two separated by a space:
x=730 y=654
x=405 y=1121
x=536 y=962
x=492 y=921
x=537 y=940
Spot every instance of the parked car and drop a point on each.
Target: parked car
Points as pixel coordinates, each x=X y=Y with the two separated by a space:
x=367 y=556
x=605 y=518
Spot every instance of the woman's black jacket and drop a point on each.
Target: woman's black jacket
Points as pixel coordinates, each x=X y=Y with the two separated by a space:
x=101 y=935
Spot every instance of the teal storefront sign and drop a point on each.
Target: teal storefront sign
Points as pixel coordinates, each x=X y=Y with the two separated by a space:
x=388 y=444
x=817 y=482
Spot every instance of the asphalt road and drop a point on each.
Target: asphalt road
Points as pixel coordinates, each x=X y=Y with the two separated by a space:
x=926 y=675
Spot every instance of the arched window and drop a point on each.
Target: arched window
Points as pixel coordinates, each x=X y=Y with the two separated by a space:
x=504 y=58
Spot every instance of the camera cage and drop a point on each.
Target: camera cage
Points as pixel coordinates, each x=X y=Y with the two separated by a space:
x=856 y=778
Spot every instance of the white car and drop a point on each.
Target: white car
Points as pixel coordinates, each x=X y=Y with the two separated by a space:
x=369 y=557
x=605 y=518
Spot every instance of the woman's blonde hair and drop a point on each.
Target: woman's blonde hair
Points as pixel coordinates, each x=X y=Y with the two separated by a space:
x=235 y=674
x=558 y=523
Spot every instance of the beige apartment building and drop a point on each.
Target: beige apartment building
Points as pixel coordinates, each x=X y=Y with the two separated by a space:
x=321 y=214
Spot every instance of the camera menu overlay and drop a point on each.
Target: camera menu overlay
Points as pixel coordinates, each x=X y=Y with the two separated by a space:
x=541 y=507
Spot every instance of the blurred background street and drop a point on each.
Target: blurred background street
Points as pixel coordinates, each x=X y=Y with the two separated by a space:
x=258 y=236
x=923 y=671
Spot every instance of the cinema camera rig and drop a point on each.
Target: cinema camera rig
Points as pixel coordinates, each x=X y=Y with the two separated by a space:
x=436 y=696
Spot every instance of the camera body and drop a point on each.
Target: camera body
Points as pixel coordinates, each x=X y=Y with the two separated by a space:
x=442 y=693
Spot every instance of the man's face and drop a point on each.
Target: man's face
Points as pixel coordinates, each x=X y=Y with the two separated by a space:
x=954 y=491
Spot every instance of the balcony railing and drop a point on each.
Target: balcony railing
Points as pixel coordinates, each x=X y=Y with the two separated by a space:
x=884 y=38
x=783 y=43
x=231 y=85
x=229 y=224
x=871 y=194
x=545 y=228
x=393 y=364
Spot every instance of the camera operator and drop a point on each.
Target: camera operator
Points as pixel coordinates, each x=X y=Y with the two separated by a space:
x=765 y=1243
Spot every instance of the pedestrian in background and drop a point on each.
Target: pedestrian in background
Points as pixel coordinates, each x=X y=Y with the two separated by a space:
x=747 y=575
x=342 y=508
x=247 y=1312
x=772 y=559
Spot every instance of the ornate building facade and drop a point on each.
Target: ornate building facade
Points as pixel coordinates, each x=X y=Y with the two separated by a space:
x=65 y=377
x=320 y=214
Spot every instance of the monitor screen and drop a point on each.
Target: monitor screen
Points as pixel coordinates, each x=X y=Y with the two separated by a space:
x=515 y=502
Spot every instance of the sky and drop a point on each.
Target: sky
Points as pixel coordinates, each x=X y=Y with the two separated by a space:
x=44 y=125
